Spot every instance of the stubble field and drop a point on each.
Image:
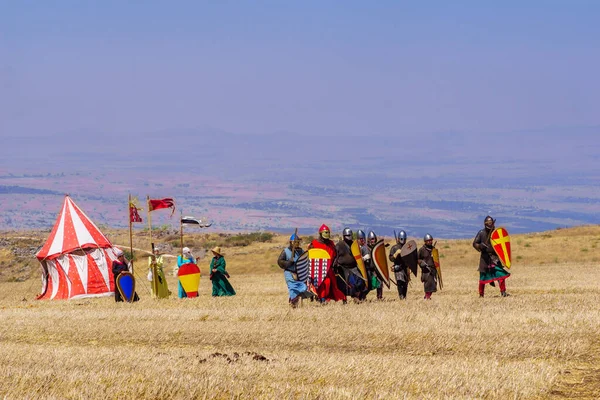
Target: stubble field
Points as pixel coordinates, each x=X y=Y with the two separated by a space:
x=541 y=342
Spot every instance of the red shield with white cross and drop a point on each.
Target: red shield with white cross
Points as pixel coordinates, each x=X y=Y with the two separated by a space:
x=500 y=240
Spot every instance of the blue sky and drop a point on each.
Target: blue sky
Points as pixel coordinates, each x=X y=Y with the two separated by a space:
x=307 y=67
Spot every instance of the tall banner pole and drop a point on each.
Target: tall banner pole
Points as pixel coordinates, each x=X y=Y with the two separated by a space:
x=130 y=231
x=181 y=231
x=149 y=219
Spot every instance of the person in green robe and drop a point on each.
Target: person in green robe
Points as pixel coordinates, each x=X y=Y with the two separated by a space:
x=156 y=275
x=219 y=275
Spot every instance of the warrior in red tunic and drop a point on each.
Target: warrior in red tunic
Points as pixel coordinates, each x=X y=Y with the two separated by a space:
x=328 y=290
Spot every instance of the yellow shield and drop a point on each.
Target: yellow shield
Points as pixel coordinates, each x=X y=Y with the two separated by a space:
x=355 y=249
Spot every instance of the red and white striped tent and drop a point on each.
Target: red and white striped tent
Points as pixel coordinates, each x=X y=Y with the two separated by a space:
x=77 y=258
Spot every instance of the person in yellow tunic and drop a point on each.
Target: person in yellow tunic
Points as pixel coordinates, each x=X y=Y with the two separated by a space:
x=156 y=275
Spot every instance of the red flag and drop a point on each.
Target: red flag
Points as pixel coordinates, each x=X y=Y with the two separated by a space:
x=134 y=216
x=157 y=204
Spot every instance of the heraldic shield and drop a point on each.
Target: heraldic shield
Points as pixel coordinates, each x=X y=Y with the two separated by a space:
x=189 y=277
x=356 y=253
x=319 y=262
x=409 y=256
x=302 y=267
x=126 y=286
x=380 y=260
x=500 y=240
x=438 y=267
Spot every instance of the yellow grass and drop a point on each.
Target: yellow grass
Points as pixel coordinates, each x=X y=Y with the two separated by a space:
x=542 y=342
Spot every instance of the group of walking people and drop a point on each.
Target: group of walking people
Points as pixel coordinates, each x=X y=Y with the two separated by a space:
x=344 y=280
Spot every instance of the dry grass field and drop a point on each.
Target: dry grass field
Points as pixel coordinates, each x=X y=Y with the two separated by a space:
x=541 y=342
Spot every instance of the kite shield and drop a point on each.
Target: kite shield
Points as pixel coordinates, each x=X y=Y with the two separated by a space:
x=500 y=240
x=355 y=249
x=380 y=260
x=319 y=262
x=302 y=267
x=409 y=256
x=126 y=286
x=436 y=261
x=189 y=277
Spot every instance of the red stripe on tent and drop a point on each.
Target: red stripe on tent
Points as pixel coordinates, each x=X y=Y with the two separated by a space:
x=70 y=241
x=63 y=287
x=96 y=284
x=76 y=283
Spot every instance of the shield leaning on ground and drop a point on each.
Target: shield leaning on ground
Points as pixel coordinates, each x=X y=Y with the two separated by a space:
x=356 y=253
x=302 y=267
x=500 y=240
x=409 y=256
x=126 y=286
x=436 y=261
x=380 y=260
x=318 y=265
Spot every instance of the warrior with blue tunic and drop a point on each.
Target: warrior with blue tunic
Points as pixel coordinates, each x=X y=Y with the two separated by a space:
x=287 y=261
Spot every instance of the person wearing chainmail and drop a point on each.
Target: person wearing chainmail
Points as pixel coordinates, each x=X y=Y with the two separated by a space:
x=349 y=279
x=428 y=271
x=328 y=289
x=374 y=280
x=366 y=255
x=490 y=268
x=399 y=266
x=287 y=261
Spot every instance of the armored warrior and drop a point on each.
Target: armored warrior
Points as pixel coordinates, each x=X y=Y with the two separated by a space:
x=287 y=262
x=490 y=268
x=328 y=289
x=366 y=256
x=399 y=266
x=428 y=271
x=350 y=281
x=374 y=280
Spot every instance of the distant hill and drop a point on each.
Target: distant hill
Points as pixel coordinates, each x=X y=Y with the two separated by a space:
x=256 y=253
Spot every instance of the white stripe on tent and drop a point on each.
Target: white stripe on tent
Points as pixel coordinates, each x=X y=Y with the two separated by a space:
x=53 y=277
x=83 y=235
x=57 y=241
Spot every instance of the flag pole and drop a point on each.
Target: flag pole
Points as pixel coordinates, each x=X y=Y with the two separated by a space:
x=149 y=219
x=181 y=231
x=130 y=232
